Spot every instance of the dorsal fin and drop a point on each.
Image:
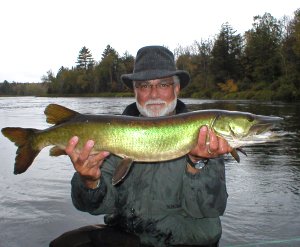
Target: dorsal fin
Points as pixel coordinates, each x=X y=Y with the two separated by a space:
x=57 y=114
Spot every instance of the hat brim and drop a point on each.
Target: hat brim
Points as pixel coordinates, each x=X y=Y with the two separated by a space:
x=183 y=75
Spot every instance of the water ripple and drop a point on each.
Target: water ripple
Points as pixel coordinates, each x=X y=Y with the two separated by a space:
x=263 y=203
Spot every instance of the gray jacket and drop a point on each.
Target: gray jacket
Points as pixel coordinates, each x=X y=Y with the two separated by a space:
x=160 y=202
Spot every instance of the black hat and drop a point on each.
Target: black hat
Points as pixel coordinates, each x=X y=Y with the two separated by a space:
x=154 y=62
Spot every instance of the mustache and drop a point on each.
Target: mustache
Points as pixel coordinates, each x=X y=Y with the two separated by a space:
x=155 y=101
x=161 y=111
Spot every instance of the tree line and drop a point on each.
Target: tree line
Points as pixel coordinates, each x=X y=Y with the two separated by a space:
x=263 y=63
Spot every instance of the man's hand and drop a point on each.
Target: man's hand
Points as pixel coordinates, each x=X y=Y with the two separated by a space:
x=86 y=164
x=209 y=145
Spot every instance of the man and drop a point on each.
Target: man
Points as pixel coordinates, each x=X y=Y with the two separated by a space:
x=172 y=203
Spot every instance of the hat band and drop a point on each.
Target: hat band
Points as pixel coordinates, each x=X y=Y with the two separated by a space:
x=151 y=74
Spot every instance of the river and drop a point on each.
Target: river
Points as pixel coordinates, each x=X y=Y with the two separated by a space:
x=264 y=188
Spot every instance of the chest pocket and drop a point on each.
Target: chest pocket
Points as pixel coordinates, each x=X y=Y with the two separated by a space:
x=158 y=187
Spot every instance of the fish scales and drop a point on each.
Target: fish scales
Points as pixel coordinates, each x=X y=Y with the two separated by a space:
x=142 y=141
x=135 y=138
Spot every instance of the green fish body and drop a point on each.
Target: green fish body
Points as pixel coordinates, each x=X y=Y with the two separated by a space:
x=135 y=138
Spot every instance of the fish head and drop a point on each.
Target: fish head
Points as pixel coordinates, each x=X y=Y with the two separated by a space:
x=241 y=128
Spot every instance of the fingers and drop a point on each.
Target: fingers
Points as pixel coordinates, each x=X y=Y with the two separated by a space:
x=85 y=152
x=207 y=141
x=224 y=147
x=202 y=139
x=70 y=148
x=71 y=145
x=213 y=144
x=88 y=159
x=84 y=162
x=101 y=155
x=217 y=145
x=210 y=145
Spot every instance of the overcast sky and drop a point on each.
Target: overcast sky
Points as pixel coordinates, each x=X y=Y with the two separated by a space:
x=42 y=35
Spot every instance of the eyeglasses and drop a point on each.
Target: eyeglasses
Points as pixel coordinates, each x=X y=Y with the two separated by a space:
x=146 y=87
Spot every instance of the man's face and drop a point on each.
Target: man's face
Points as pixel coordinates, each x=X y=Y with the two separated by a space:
x=156 y=97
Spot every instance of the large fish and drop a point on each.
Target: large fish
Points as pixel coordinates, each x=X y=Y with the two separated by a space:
x=135 y=138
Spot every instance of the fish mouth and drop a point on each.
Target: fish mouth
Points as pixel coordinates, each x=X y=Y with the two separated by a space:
x=264 y=123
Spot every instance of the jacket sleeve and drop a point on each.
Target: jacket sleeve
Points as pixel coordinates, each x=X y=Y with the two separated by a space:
x=95 y=201
x=205 y=194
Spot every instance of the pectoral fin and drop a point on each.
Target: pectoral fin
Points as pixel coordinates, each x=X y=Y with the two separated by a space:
x=57 y=151
x=121 y=170
x=235 y=155
x=242 y=151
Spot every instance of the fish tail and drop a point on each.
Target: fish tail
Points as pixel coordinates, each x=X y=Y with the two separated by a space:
x=23 y=140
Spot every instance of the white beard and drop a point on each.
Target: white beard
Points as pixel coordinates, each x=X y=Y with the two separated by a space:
x=157 y=112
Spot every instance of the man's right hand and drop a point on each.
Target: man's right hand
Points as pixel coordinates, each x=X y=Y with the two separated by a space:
x=86 y=164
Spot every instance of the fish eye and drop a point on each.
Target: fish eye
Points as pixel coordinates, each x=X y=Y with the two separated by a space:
x=251 y=118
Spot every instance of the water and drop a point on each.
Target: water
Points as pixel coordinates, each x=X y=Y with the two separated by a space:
x=264 y=189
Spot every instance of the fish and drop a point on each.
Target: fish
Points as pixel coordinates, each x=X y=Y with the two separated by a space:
x=136 y=139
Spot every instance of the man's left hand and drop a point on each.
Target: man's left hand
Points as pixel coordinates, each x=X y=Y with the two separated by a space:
x=209 y=145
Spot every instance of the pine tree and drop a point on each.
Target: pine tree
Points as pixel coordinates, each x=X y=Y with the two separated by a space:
x=226 y=55
x=85 y=59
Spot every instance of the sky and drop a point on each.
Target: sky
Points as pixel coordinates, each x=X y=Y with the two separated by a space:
x=38 y=36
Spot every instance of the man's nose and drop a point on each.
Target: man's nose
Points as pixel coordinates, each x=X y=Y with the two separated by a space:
x=153 y=91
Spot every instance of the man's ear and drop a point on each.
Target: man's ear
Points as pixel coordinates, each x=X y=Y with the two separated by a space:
x=177 y=89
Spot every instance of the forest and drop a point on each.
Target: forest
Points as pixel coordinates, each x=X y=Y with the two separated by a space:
x=261 y=64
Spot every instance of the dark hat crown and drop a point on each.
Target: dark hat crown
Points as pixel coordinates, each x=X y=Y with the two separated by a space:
x=153 y=58
x=154 y=62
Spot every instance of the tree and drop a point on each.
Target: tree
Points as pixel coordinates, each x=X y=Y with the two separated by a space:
x=202 y=60
x=126 y=65
x=108 y=70
x=291 y=45
x=228 y=87
x=5 y=88
x=85 y=59
x=262 y=50
x=287 y=86
x=50 y=79
x=226 y=55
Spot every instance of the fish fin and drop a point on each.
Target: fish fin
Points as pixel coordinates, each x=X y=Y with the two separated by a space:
x=25 y=153
x=242 y=151
x=57 y=151
x=121 y=170
x=232 y=132
x=235 y=155
x=57 y=114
